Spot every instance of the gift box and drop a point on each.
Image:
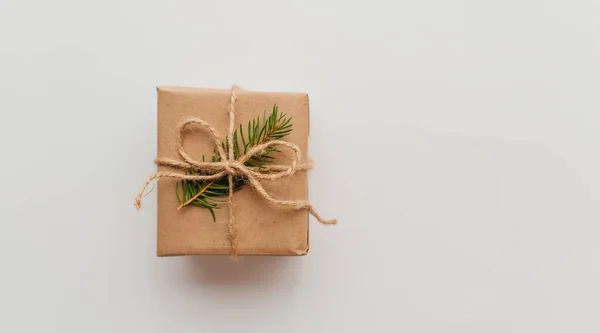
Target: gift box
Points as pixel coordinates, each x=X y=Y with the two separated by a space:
x=261 y=228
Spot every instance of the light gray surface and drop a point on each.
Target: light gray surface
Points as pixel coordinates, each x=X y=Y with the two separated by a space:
x=483 y=215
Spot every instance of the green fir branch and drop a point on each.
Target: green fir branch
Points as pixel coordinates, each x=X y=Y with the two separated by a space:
x=209 y=194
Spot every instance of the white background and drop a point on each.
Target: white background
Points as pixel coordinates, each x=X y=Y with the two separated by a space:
x=455 y=141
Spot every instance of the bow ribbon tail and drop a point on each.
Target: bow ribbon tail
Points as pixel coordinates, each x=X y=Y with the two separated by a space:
x=293 y=204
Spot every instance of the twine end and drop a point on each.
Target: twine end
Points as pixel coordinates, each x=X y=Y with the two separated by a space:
x=318 y=217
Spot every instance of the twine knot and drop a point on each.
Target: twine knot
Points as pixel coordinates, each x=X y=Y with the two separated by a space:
x=232 y=167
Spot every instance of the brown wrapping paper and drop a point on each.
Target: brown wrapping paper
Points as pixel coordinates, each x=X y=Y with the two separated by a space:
x=263 y=229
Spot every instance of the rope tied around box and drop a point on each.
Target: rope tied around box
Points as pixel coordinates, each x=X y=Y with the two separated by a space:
x=230 y=167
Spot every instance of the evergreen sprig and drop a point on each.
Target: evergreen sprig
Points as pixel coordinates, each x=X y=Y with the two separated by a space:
x=209 y=194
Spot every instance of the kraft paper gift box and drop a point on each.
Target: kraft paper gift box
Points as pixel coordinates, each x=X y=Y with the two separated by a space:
x=262 y=228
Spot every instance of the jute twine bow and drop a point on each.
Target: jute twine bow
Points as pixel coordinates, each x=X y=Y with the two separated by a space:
x=231 y=167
